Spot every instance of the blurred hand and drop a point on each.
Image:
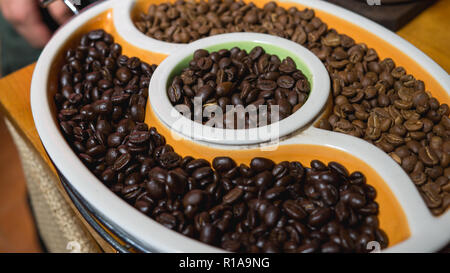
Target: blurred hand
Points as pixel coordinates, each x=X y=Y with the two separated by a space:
x=26 y=18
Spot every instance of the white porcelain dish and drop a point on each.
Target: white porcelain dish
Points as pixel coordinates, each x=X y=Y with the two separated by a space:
x=428 y=233
x=317 y=99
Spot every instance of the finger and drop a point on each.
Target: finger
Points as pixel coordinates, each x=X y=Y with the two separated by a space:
x=60 y=12
x=26 y=18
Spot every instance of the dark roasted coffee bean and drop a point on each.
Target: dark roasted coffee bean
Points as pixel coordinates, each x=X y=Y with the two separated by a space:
x=132 y=179
x=310 y=247
x=195 y=164
x=319 y=217
x=294 y=210
x=103 y=107
x=356 y=200
x=260 y=164
x=223 y=164
x=130 y=192
x=122 y=162
x=114 y=140
x=233 y=195
x=139 y=137
x=123 y=74
x=231 y=245
x=193 y=198
x=205 y=92
x=271 y=215
x=357 y=178
x=169 y=160
x=209 y=234
x=274 y=193
x=167 y=220
x=177 y=182
x=338 y=168
x=330 y=248
x=155 y=189
x=96 y=34
x=202 y=173
x=264 y=179
x=318 y=165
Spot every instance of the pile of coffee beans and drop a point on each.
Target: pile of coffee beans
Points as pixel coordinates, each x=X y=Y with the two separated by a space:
x=373 y=99
x=187 y=21
x=263 y=207
x=235 y=77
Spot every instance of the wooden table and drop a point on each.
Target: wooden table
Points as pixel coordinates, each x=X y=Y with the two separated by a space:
x=428 y=32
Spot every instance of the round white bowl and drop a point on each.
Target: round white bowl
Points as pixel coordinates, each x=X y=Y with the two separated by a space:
x=315 y=71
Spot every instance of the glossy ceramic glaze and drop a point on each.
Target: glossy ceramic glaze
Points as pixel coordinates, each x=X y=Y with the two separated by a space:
x=403 y=214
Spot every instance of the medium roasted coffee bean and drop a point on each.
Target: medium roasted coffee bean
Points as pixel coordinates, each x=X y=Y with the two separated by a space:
x=428 y=156
x=266 y=85
x=223 y=79
x=285 y=82
x=409 y=162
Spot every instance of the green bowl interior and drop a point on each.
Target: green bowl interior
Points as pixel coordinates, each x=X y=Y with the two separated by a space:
x=248 y=46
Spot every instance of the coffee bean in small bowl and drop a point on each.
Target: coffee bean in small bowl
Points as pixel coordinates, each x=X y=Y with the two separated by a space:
x=226 y=79
x=264 y=86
